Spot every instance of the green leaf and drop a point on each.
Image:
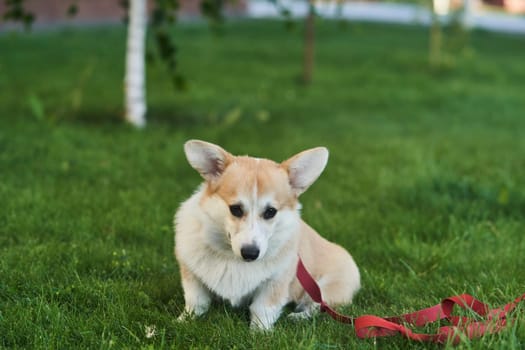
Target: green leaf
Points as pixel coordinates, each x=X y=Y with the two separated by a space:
x=233 y=116
x=503 y=196
x=36 y=106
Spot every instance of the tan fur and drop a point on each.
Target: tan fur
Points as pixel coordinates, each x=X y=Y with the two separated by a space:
x=209 y=239
x=245 y=172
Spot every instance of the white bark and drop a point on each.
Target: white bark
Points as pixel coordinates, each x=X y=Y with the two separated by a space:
x=468 y=13
x=134 y=81
x=441 y=7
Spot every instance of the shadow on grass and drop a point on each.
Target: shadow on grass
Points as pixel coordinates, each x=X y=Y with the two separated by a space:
x=95 y=117
x=162 y=116
x=172 y=117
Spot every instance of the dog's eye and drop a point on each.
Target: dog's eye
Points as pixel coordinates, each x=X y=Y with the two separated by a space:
x=269 y=213
x=236 y=210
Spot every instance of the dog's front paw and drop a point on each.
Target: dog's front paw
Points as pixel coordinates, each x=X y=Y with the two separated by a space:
x=192 y=311
x=259 y=327
x=303 y=312
x=264 y=316
x=186 y=316
x=299 y=316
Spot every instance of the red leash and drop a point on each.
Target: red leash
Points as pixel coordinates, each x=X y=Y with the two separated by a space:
x=369 y=326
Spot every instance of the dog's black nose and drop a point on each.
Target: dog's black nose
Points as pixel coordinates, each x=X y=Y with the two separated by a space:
x=249 y=252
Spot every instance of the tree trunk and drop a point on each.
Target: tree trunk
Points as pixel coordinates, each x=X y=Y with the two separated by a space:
x=309 y=44
x=436 y=42
x=134 y=81
x=468 y=13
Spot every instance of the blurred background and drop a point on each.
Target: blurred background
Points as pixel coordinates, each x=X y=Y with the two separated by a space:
x=99 y=11
x=449 y=23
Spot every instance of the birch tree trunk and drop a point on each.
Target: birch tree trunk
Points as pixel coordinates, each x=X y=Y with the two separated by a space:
x=438 y=8
x=468 y=13
x=134 y=81
x=435 y=42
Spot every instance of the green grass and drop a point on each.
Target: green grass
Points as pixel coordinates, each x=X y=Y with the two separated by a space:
x=425 y=184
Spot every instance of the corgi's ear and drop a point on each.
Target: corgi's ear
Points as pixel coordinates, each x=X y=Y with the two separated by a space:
x=208 y=159
x=304 y=168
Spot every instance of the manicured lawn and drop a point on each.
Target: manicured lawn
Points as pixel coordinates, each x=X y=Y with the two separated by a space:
x=425 y=184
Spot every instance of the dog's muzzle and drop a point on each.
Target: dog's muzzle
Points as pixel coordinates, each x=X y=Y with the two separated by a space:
x=250 y=252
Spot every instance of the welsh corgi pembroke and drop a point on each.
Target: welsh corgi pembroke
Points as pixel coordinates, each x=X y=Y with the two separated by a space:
x=240 y=235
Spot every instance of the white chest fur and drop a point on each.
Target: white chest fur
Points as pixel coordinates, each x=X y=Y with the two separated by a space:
x=231 y=279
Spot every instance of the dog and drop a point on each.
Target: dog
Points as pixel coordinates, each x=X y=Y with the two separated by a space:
x=240 y=236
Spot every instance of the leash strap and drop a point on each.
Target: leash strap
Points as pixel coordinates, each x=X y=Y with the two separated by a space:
x=369 y=326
